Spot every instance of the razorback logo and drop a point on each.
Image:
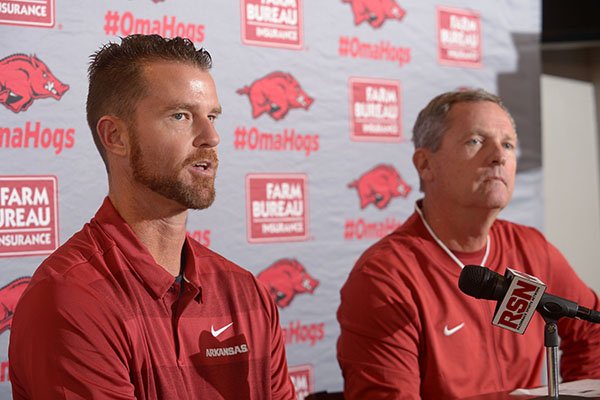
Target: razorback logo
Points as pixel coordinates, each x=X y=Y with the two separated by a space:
x=286 y=278
x=9 y=295
x=26 y=78
x=275 y=94
x=375 y=11
x=379 y=185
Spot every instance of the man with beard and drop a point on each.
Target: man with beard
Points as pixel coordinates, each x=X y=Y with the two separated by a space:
x=407 y=332
x=131 y=307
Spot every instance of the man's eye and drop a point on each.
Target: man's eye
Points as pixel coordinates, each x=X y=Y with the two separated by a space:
x=509 y=146
x=179 y=116
x=474 y=141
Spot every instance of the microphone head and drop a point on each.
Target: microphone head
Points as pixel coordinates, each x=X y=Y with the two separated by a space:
x=481 y=283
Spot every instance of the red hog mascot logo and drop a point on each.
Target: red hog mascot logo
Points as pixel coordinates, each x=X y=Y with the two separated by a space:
x=375 y=11
x=286 y=278
x=9 y=295
x=275 y=94
x=26 y=78
x=379 y=185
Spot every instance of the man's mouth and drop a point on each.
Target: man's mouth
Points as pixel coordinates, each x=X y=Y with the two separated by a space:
x=203 y=165
x=496 y=178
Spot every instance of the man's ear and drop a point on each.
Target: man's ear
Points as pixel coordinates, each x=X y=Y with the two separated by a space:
x=422 y=162
x=113 y=133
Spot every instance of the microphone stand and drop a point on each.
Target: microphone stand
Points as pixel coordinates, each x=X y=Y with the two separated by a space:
x=551 y=343
x=552 y=309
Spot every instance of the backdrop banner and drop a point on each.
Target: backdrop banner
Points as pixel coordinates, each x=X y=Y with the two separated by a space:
x=319 y=99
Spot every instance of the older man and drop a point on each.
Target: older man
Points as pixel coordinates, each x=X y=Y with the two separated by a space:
x=407 y=332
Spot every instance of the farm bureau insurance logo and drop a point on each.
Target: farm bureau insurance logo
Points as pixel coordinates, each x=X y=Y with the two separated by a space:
x=459 y=37
x=375 y=110
x=272 y=23
x=27 y=13
x=375 y=12
x=24 y=79
x=28 y=215
x=286 y=278
x=275 y=94
x=302 y=378
x=276 y=207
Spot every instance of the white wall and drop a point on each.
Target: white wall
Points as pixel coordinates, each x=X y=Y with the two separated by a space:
x=571 y=169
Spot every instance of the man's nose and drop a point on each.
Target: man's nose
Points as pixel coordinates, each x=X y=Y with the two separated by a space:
x=206 y=134
x=497 y=153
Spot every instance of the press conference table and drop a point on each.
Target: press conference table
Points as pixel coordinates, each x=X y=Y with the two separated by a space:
x=585 y=386
x=508 y=396
x=573 y=388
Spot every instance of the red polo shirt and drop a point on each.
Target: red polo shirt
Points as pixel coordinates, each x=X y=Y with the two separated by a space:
x=408 y=332
x=101 y=319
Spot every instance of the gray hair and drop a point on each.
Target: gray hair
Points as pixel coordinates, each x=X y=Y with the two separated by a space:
x=432 y=121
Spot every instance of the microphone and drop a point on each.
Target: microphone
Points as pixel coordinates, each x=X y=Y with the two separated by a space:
x=519 y=295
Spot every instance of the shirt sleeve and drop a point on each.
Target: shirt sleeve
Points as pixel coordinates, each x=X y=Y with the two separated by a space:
x=64 y=344
x=580 y=340
x=378 y=347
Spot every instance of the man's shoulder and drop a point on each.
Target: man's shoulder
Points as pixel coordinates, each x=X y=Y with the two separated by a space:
x=398 y=242
x=66 y=283
x=76 y=252
x=396 y=254
x=80 y=271
x=215 y=270
x=514 y=231
x=217 y=274
x=215 y=261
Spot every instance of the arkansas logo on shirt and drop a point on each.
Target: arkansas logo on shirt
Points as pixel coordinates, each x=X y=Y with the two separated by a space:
x=276 y=94
x=9 y=295
x=286 y=278
x=375 y=12
x=24 y=79
x=379 y=186
x=219 y=359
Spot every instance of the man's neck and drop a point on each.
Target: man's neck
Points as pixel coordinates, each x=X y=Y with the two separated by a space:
x=459 y=228
x=160 y=226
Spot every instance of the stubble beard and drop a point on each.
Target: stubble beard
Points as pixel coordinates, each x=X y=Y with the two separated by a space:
x=197 y=196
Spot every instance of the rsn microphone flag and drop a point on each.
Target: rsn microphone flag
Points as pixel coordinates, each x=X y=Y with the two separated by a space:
x=520 y=302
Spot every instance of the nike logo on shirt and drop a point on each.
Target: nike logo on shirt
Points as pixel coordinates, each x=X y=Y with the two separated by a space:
x=452 y=331
x=217 y=332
